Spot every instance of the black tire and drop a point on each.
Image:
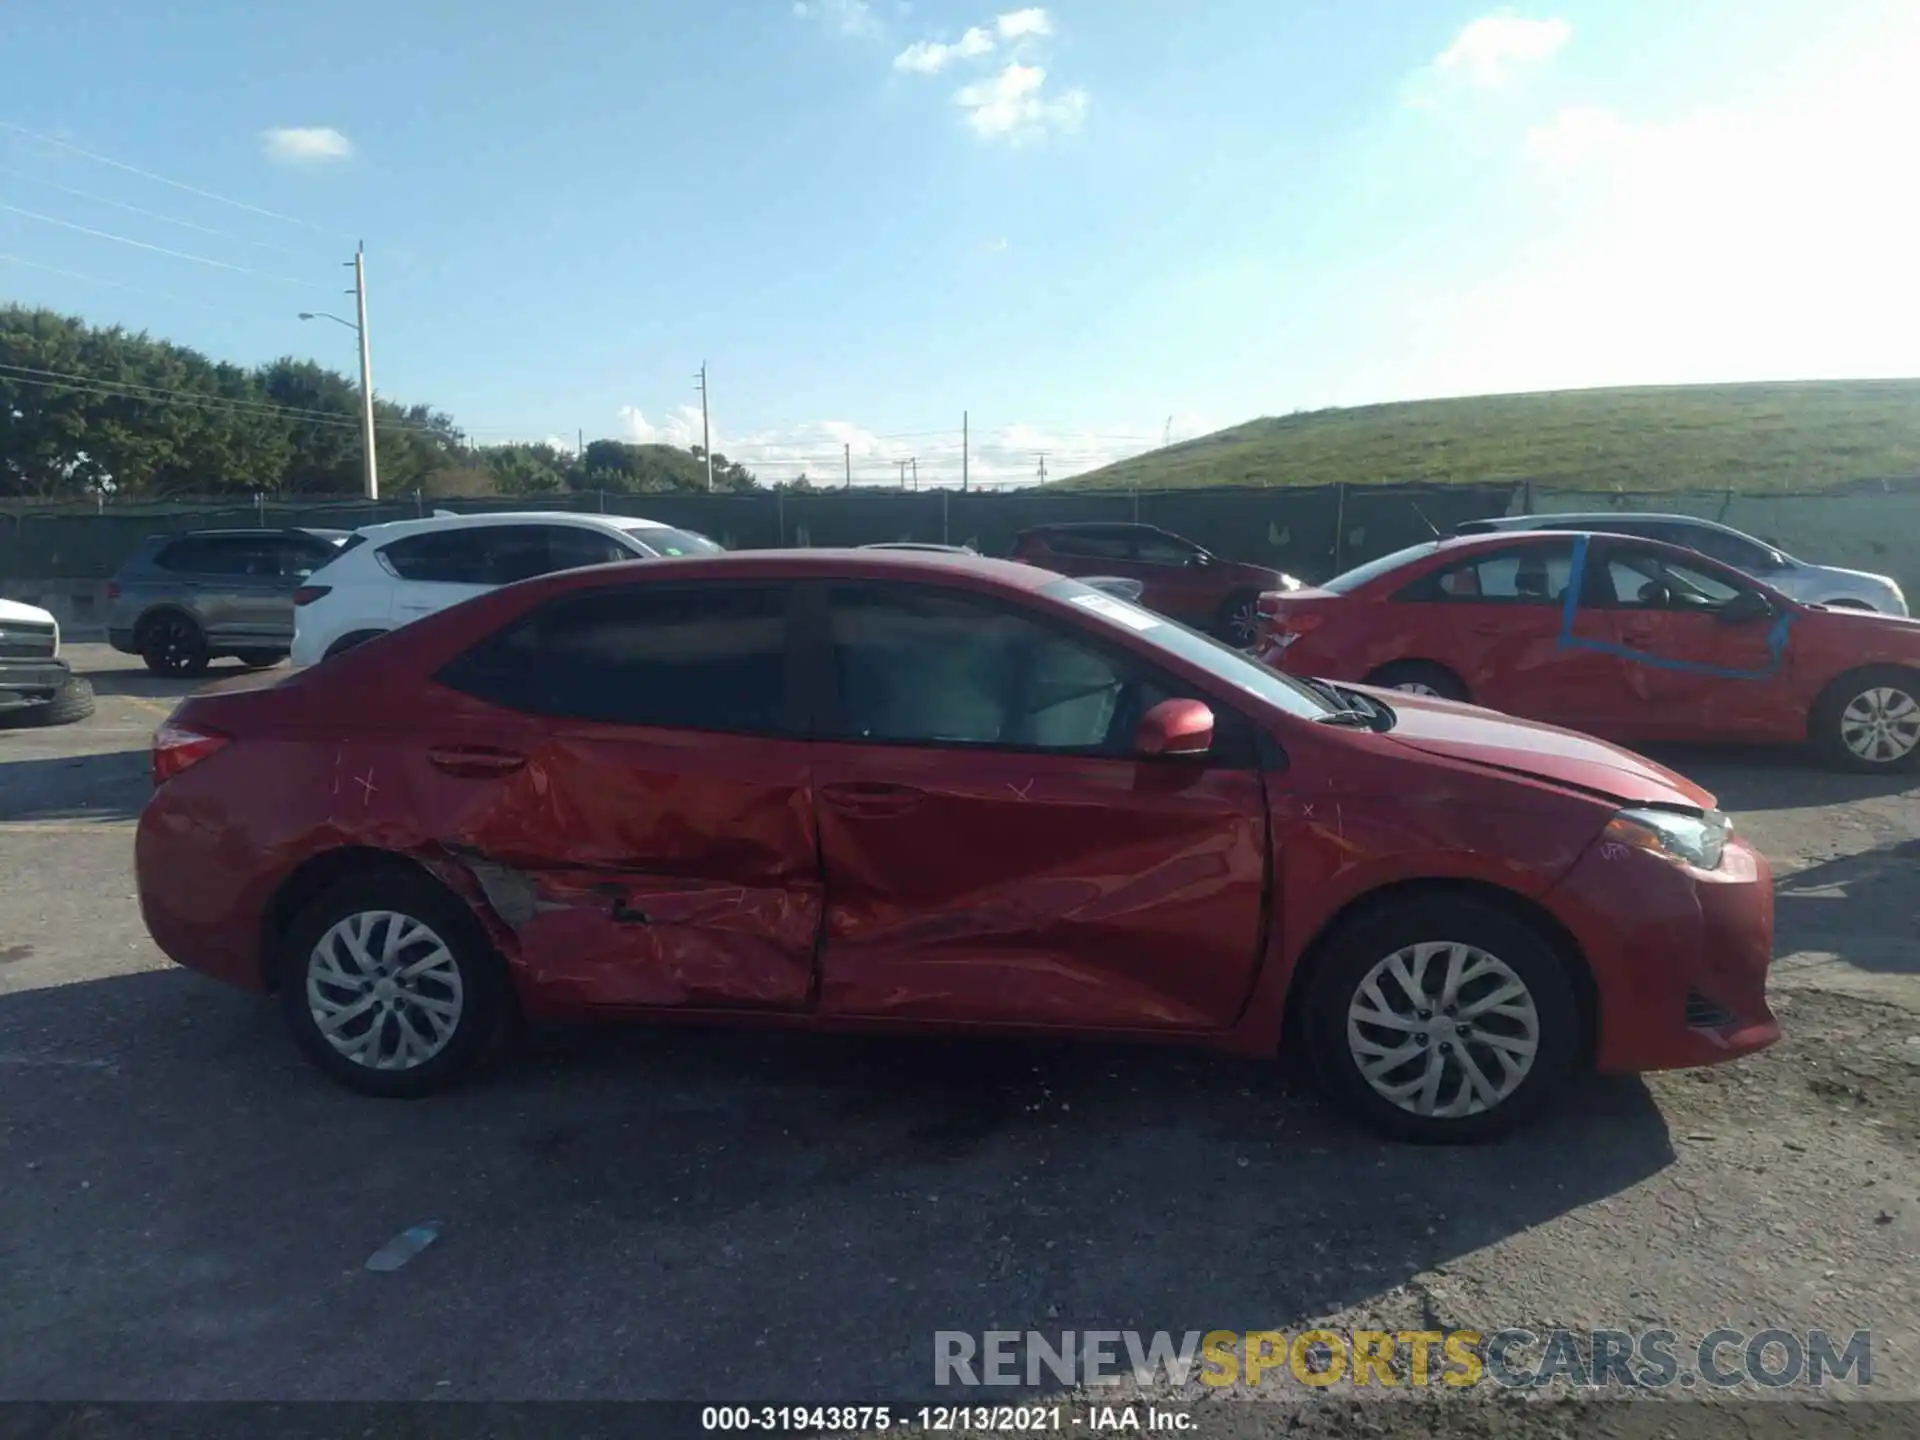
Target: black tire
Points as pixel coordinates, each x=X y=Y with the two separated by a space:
x=1348 y=961
x=1890 y=693
x=351 y=639
x=1429 y=678
x=478 y=997
x=260 y=659
x=71 y=702
x=1238 y=622
x=172 y=644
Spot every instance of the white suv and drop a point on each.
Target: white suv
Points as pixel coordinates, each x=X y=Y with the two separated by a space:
x=386 y=575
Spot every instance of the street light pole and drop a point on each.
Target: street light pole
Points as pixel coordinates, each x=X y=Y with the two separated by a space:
x=366 y=371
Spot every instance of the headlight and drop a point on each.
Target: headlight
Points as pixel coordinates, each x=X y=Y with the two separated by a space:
x=1695 y=840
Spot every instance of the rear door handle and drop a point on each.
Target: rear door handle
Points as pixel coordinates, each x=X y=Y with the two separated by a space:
x=872 y=797
x=475 y=762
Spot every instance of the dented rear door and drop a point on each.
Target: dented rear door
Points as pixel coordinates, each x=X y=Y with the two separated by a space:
x=651 y=841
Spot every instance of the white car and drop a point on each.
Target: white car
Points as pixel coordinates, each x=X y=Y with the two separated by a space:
x=36 y=686
x=1827 y=585
x=387 y=575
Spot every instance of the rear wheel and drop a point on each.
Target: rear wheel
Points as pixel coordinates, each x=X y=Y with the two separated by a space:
x=1419 y=677
x=1869 y=720
x=389 y=984
x=1238 y=622
x=172 y=644
x=1442 y=1018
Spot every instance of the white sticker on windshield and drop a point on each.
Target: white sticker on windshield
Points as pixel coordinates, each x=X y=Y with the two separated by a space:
x=1119 y=610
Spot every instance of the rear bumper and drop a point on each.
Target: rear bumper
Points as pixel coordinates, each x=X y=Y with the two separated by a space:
x=28 y=682
x=1680 y=957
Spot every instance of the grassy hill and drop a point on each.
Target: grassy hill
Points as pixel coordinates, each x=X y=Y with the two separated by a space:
x=1795 y=436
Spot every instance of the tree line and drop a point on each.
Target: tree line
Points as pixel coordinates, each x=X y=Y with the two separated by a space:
x=87 y=411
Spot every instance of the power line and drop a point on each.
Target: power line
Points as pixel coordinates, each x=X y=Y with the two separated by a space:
x=115 y=284
x=150 y=214
x=163 y=180
x=158 y=249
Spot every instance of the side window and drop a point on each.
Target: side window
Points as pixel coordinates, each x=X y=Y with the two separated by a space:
x=1154 y=549
x=210 y=555
x=695 y=658
x=1091 y=544
x=1647 y=580
x=573 y=547
x=450 y=557
x=1535 y=575
x=917 y=664
x=515 y=552
x=1724 y=546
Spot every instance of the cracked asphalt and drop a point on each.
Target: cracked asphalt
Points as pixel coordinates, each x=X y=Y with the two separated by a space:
x=186 y=1208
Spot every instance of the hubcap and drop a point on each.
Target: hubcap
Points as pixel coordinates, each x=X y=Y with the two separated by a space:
x=1244 y=626
x=1443 y=1030
x=384 y=990
x=1881 y=725
x=1416 y=687
x=172 y=644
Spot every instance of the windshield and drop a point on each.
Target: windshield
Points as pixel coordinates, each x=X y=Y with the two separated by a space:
x=1219 y=660
x=666 y=541
x=1374 y=569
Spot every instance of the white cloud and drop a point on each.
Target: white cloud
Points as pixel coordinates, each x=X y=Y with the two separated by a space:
x=305 y=145
x=680 y=426
x=1490 y=48
x=930 y=57
x=849 y=17
x=1016 y=23
x=1013 y=105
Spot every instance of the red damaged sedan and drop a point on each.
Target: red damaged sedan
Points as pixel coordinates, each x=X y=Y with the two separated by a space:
x=1627 y=638
x=862 y=790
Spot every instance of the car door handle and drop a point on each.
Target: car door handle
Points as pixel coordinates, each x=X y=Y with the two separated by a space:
x=474 y=762
x=872 y=797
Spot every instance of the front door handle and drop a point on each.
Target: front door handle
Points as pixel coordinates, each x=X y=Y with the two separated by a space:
x=872 y=798
x=475 y=762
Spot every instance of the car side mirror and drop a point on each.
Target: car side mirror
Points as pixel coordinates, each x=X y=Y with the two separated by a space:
x=1175 y=727
x=1745 y=608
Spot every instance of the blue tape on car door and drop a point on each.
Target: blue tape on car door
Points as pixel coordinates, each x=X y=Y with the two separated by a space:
x=1777 y=635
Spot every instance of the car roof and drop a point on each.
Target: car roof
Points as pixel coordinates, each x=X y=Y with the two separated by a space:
x=1090 y=527
x=1574 y=520
x=851 y=563
x=247 y=532
x=1512 y=539
x=399 y=529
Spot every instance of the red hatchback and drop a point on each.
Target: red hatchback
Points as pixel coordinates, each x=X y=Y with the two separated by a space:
x=865 y=790
x=1622 y=637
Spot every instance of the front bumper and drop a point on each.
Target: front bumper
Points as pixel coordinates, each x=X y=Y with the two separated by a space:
x=29 y=682
x=1680 y=957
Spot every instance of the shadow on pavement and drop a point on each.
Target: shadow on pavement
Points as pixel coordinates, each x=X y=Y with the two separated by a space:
x=1776 y=778
x=112 y=786
x=122 y=680
x=664 y=1212
x=1863 y=908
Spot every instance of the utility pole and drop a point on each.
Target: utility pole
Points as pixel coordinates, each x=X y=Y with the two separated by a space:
x=706 y=432
x=965 y=450
x=581 y=434
x=903 y=473
x=366 y=371
x=915 y=463
x=1166 y=435
x=1043 y=467
x=846 y=452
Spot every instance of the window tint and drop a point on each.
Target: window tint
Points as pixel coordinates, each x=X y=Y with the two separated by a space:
x=1365 y=574
x=299 y=555
x=1094 y=544
x=1536 y=575
x=666 y=541
x=922 y=664
x=450 y=557
x=1646 y=580
x=696 y=658
x=1155 y=549
x=211 y=555
x=1724 y=546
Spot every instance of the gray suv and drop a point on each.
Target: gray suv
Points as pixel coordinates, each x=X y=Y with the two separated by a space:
x=183 y=600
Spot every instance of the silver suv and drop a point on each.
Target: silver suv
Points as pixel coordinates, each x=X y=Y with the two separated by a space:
x=181 y=601
x=1813 y=584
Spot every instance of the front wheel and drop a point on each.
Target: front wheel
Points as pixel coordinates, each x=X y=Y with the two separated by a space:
x=1869 y=720
x=171 y=644
x=1238 y=622
x=390 y=986
x=1442 y=1019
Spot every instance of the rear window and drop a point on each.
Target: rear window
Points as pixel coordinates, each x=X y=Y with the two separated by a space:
x=1366 y=574
x=665 y=541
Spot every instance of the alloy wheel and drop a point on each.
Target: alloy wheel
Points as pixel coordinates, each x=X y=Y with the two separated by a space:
x=384 y=990
x=172 y=644
x=1881 y=725
x=1443 y=1030
x=1243 y=623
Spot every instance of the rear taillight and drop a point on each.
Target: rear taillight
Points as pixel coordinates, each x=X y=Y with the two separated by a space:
x=113 y=589
x=307 y=594
x=176 y=747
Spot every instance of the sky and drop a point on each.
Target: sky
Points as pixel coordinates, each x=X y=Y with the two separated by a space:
x=1087 y=227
